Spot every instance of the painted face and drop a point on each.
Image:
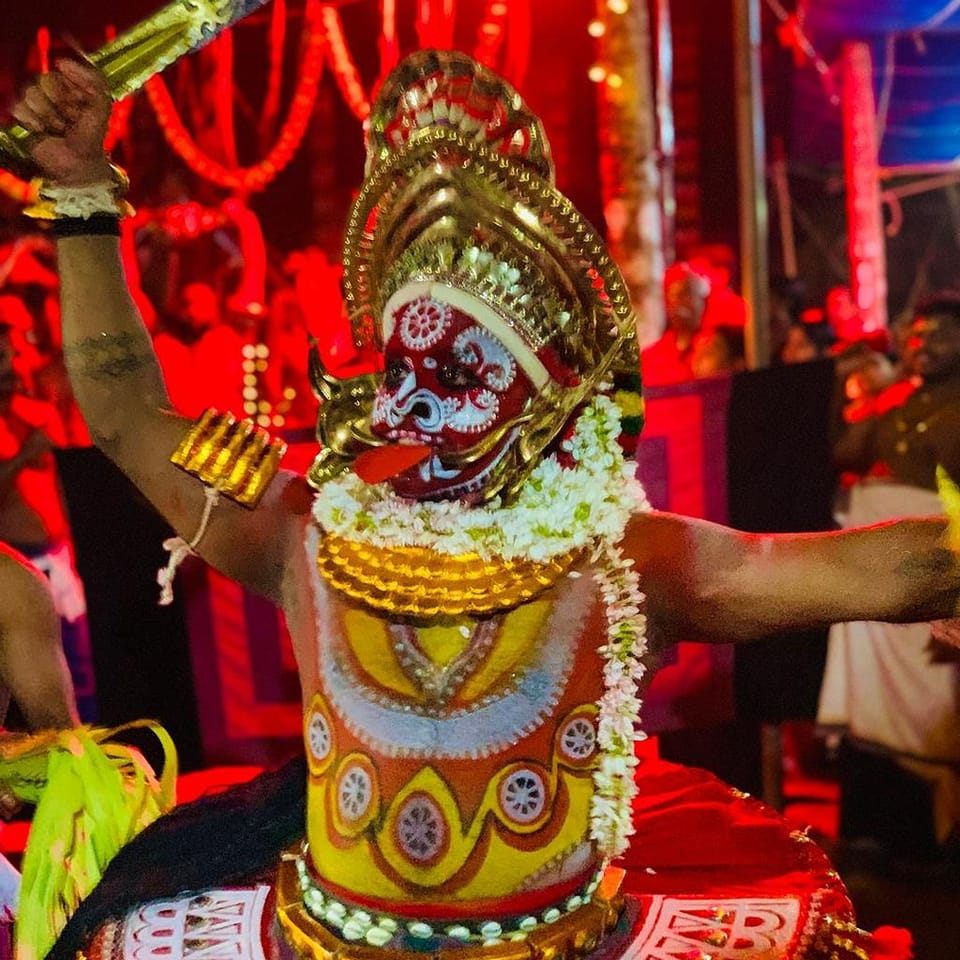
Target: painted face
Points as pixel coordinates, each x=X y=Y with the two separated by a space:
x=449 y=383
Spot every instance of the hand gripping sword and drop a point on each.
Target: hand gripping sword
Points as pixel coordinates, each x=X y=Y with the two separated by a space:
x=131 y=59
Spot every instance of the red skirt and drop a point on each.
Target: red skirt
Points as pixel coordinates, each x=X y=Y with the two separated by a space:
x=711 y=874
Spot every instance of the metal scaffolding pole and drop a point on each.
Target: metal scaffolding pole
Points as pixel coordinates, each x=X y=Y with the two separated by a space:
x=751 y=164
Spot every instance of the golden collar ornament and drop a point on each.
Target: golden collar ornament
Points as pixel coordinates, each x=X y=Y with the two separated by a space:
x=422 y=583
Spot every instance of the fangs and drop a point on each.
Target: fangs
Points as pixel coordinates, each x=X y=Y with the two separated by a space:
x=433 y=469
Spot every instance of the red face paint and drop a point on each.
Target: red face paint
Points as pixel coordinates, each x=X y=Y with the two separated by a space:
x=449 y=384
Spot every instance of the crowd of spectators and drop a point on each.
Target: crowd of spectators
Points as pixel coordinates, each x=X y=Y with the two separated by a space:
x=889 y=701
x=706 y=320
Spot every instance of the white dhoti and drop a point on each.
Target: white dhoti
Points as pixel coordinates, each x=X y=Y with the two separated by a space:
x=880 y=684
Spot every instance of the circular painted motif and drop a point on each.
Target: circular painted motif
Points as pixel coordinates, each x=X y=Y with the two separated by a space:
x=423 y=323
x=319 y=738
x=354 y=792
x=523 y=796
x=421 y=830
x=578 y=739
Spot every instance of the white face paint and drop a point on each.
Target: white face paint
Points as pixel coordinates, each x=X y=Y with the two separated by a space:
x=423 y=323
x=480 y=351
x=477 y=347
x=471 y=414
x=420 y=404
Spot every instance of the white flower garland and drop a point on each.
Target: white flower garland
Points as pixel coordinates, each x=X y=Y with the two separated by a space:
x=556 y=511
x=611 y=808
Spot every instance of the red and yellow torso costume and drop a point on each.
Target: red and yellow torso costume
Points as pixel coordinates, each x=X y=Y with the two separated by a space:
x=450 y=760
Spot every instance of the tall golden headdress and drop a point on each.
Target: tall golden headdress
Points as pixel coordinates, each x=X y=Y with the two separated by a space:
x=459 y=198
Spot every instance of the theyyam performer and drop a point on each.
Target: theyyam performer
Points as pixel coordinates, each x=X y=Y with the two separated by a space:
x=474 y=588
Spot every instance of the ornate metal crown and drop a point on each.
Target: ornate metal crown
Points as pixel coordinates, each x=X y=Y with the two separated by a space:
x=459 y=192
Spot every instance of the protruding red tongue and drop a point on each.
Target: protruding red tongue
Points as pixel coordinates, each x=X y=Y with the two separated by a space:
x=382 y=463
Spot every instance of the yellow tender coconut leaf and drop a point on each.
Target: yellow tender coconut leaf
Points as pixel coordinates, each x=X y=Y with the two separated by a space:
x=93 y=796
x=950 y=498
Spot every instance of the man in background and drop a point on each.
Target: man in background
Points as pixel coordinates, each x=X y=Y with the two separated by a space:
x=892 y=689
x=725 y=307
x=669 y=359
x=201 y=355
x=33 y=518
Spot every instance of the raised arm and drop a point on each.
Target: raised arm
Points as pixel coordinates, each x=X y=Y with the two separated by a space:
x=708 y=582
x=109 y=354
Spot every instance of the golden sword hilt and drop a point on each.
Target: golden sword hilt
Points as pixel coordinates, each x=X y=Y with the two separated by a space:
x=133 y=57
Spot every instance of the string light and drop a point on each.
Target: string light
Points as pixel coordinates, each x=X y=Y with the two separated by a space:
x=596 y=28
x=615 y=81
x=256 y=358
x=597 y=73
x=260 y=175
x=619 y=7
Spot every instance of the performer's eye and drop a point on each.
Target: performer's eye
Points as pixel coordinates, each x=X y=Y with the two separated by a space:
x=455 y=376
x=396 y=373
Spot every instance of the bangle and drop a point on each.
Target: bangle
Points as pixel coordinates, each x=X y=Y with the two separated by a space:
x=82 y=202
x=96 y=225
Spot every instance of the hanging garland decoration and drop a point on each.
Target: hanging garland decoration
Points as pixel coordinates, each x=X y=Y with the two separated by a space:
x=434 y=27
x=223 y=124
x=389 y=43
x=119 y=124
x=260 y=175
x=43 y=49
x=518 y=42
x=344 y=68
x=277 y=41
x=491 y=33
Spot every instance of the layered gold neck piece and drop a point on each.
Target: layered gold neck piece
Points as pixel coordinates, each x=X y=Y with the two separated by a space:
x=423 y=583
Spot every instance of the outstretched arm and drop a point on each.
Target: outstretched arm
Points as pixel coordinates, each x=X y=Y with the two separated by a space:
x=109 y=354
x=708 y=582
